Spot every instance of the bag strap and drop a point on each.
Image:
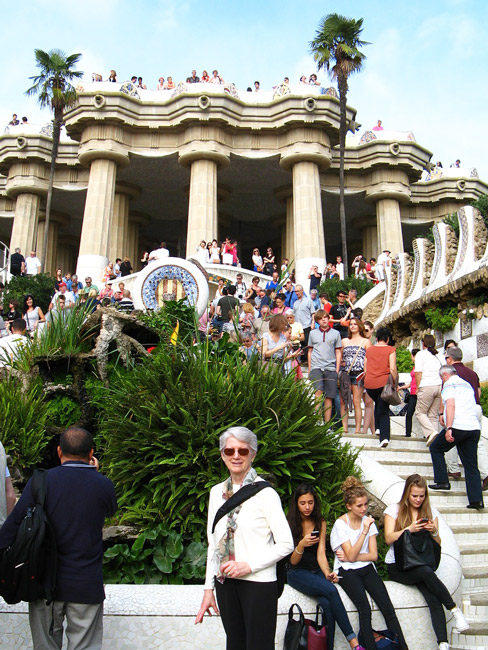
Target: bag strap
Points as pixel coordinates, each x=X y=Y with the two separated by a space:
x=239 y=497
x=38 y=486
x=300 y=613
x=320 y=611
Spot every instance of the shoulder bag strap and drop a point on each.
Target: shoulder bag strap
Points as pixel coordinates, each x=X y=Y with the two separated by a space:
x=239 y=497
x=38 y=486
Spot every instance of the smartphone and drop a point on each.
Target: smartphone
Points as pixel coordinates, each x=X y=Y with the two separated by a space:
x=424 y=520
x=315 y=533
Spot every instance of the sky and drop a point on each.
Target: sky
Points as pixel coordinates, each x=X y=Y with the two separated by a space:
x=425 y=69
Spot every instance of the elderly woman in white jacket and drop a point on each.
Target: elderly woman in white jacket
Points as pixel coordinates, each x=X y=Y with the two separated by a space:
x=243 y=548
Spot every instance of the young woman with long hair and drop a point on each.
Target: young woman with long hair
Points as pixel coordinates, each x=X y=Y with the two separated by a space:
x=354 y=348
x=414 y=513
x=309 y=570
x=427 y=364
x=353 y=540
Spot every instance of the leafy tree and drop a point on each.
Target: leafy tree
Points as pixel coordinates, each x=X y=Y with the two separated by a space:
x=54 y=90
x=336 y=48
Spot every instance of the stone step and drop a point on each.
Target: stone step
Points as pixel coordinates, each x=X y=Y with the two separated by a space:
x=470 y=534
x=454 y=514
x=475 y=637
x=396 y=453
x=477 y=609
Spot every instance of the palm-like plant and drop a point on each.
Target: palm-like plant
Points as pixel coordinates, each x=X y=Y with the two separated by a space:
x=336 y=48
x=54 y=90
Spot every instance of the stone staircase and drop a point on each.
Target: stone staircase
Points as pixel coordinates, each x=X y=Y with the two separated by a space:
x=405 y=456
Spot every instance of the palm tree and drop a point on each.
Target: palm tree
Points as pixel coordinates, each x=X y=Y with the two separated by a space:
x=54 y=90
x=336 y=48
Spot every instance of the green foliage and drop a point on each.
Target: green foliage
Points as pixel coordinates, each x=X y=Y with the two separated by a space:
x=481 y=204
x=62 y=411
x=442 y=319
x=450 y=220
x=159 y=555
x=160 y=424
x=479 y=299
x=23 y=423
x=484 y=400
x=404 y=359
x=165 y=319
x=41 y=286
x=331 y=287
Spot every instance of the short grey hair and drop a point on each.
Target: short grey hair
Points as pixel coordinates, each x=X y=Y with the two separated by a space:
x=240 y=433
x=447 y=370
x=454 y=353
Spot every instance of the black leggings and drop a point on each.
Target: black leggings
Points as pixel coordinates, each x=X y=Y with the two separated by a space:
x=412 y=403
x=248 y=611
x=356 y=582
x=432 y=589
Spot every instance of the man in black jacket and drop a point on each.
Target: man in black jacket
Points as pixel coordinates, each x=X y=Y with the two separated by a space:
x=78 y=499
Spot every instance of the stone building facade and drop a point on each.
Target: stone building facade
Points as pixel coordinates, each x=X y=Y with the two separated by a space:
x=208 y=161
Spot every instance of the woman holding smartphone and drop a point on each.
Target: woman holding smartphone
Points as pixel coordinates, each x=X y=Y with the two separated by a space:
x=414 y=513
x=309 y=570
x=353 y=540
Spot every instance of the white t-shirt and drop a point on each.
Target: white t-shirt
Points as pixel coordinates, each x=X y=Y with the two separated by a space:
x=465 y=417
x=262 y=537
x=32 y=265
x=393 y=512
x=341 y=532
x=158 y=254
x=429 y=365
x=340 y=270
x=9 y=346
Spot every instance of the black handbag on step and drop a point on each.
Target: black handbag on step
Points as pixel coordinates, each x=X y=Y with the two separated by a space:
x=305 y=633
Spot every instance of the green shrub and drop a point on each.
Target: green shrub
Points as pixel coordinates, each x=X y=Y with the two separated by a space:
x=404 y=359
x=159 y=555
x=331 y=287
x=484 y=400
x=62 y=411
x=164 y=320
x=442 y=319
x=41 y=286
x=160 y=425
x=22 y=431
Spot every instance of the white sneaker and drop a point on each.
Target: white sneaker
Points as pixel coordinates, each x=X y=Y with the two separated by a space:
x=460 y=622
x=444 y=646
x=383 y=443
x=377 y=432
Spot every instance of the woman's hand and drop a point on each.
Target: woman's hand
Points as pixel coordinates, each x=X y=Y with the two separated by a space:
x=367 y=524
x=309 y=540
x=332 y=576
x=233 y=569
x=208 y=603
x=341 y=555
x=418 y=525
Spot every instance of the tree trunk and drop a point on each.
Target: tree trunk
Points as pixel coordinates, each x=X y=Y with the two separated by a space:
x=342 y=85
x=58 y=116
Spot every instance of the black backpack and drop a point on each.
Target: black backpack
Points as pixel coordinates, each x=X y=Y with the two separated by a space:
x=28 y=566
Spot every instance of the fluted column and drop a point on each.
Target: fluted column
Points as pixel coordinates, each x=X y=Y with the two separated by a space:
x=120 y=244
x=95 y=232
x=308 y=219
x=51 y=262
x=387 y=190
x=202 y=205
x=389 y=226
x=24 y=229
x=307 y=153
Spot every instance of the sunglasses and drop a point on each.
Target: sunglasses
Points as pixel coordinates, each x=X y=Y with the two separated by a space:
x=230 y=452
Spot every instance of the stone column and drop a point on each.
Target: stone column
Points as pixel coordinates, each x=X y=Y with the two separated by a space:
x=204 y=153
x=24 y=229
x=95 y=232
x=26 y=184
x=308 y=153
x=389 y=226
x=369 y=246
x=388 y=189
x=51 y=262
x=134 y=250
x=285 y=194
x=67 y=252
x=119 y=240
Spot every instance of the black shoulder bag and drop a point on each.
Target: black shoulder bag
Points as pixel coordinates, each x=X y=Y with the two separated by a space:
x=416 y=549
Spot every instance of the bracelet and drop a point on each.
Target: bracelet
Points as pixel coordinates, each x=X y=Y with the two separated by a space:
x=436 y=534
x=298 y=552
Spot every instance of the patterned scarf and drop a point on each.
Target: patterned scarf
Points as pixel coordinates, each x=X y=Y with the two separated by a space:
x=225 y=549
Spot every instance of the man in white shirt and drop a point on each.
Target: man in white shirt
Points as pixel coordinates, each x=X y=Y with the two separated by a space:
x=340 y=267
x=10 y=345
x=463 y=431
x=159 y=253
x=382 y=263
x=68 y=297
x=32 y=264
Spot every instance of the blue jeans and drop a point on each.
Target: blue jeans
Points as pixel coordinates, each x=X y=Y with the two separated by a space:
x=316 y=584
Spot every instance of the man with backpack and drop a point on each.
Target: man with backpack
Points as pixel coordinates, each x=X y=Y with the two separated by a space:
x=77 y=501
